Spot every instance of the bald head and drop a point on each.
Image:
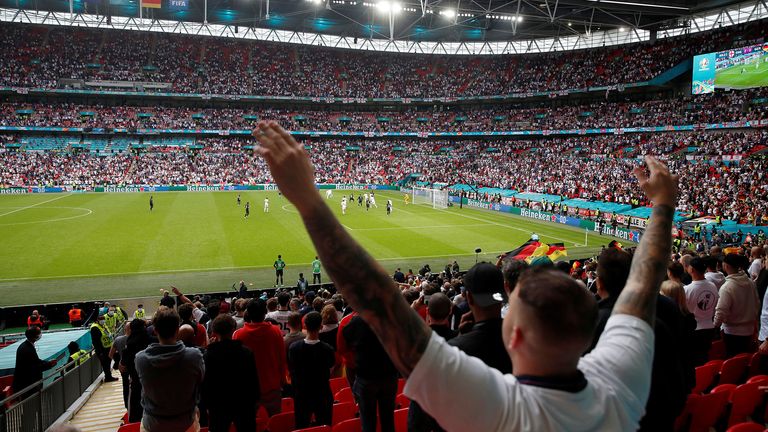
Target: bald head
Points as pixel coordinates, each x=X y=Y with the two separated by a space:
x=187 y=335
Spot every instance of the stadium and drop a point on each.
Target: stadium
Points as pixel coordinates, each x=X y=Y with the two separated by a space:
x=394 y=215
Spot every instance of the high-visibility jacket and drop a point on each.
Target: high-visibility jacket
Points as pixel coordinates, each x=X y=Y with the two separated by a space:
x=110 y=322
x=80 y=356
x=106 y=338
x=139 y=314
x=37 y=322
x=75 y=315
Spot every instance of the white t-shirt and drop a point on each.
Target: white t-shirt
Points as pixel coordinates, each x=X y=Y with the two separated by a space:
x=281 y=316
x=716 y=278
x=701 y=298
x=755 y=267
x=463 y=394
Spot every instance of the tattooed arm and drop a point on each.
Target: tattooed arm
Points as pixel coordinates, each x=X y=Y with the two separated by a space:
x=650 y=260
x=359 y=278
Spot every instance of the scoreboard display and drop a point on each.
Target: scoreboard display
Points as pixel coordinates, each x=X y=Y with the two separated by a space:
x=737 y=68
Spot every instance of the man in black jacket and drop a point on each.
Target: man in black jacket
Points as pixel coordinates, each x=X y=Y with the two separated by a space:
x=225 y=359
x=29 y=368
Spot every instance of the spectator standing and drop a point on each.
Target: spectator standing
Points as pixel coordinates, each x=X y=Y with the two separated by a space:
x=29 y=368
x=330 y=321
x=294 y=327
x=138 y=341
x=226 y=358
x=116 y=352
x=167 y=300
x=702 y=297
x=170 y=376
x=102 y=342
x=282 y=313
x=738 y=306
x=712 y=274
x=310 y=362
x=266 y=342
x=757 y=262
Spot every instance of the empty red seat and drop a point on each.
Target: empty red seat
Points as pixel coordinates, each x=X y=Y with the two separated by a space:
x=338 y=383
x=130 y=427
x=351 y=425
x=746 y=427
x=283 y=422
x=754 y=365
x=344 y=395
x=315 y=429
x=287 y=404
x=705 y=376
x=705 y=410
x=724 y=388
x=401 y=420
x=734 y=369
x=343 y=411
x=744 y=401
x=402 y=401
x=758 y=379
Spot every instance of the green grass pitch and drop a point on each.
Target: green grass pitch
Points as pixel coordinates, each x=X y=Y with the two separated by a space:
x=732 y=77
x=76 y=247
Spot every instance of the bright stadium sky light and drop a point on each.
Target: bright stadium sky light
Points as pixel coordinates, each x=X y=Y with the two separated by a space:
x=387 y=6
x=448 y=13
x=627 y=3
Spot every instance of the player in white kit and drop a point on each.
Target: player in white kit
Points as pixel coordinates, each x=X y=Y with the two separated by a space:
x=328 y=194
x=266 y=205
x=344 y=205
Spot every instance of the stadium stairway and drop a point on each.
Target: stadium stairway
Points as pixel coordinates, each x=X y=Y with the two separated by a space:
x=104 y=410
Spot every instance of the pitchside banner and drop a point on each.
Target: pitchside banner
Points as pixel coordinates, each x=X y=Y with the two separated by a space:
x=214 y=188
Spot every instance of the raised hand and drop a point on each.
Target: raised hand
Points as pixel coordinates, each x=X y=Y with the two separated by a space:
x=660 y=186
x=289 y=164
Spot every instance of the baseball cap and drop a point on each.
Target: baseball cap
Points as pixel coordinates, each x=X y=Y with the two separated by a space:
x=486 y=284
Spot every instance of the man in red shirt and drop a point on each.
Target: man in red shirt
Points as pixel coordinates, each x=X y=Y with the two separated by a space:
x=266 y=342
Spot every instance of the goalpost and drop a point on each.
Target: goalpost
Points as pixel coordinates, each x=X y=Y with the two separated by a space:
x=437 y=198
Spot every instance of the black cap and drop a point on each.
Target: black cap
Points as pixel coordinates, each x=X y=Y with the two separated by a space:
x=486 y=284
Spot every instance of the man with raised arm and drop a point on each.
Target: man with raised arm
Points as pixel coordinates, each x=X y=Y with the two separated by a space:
x=549 y=325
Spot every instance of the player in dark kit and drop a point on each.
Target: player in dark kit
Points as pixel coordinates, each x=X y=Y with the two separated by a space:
x=247 y=209
x=389 y=207
x=360 y=200
x=151 y=203
x=238 y=199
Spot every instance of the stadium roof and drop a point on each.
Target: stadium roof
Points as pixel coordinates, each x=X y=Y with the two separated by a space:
x=428 y=26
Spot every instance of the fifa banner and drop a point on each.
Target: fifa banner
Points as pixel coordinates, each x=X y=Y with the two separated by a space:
x=621 y=233
x=738 y=68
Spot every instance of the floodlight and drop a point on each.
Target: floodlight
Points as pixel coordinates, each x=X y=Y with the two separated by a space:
x=448 y=13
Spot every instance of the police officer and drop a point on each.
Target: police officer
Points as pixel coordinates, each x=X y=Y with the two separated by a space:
x=140 y=313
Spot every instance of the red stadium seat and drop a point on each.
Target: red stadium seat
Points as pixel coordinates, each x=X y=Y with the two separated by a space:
x=130 y=427
x=744 y=401
x=754 y=365
x=338 y=383
x=343 y=411
x=717 y=350
x=283 y=422
x=724 y=388
x=705 y=410
x=287 y=404
x=758 y=379
x=705 y=376
x=315 y=429
x=351 y=425
x=734 y=369
x=402 y=401
x=261 y=424
x=746 y=427
x=401 y=420
x=344 y=395
x=262 y=412
x=400 y=385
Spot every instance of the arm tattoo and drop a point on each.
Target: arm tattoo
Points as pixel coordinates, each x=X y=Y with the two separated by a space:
x=369 y=289
x=648 y=267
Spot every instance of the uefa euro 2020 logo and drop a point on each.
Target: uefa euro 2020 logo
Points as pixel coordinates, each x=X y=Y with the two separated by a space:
x=704 y=64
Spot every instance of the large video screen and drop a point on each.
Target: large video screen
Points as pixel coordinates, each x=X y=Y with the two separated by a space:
x=738 y=68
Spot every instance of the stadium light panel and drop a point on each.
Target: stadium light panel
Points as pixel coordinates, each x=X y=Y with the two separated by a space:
x=448 y=13
x=389 y=7
x=658 y=6
x=622 y=29
x=519 y=18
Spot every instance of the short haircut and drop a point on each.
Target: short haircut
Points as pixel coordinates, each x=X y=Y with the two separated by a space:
x=698 y=265
x=613 y=270
x=283 y=299
x=240 y=304
x=711 y=262
x=32 y=332
x=313 y=321
x=166 y=322
x=73 y=347
x=294 y=320
x=185 y=311
x=512 y=268
x=562 y=309
x=317 y=304
x=256 y=310
x=329 y=315
x=272 y=304
x=431 y=289
x=224 y=325
x=439 y=306
x=675 y=268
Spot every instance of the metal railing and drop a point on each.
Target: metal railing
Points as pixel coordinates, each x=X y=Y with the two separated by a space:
x=36 y=408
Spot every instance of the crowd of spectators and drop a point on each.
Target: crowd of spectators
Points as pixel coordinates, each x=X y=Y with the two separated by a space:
x=34 y=56
x=717 y=108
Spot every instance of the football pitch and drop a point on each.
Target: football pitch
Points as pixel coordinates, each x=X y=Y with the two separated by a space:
x=77 y=246
x=734 y=78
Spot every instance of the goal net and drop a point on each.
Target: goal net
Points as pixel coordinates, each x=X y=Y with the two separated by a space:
x=435 y=197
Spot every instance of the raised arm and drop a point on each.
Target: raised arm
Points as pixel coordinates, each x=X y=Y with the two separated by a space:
x=359 y=278
x=650 y=260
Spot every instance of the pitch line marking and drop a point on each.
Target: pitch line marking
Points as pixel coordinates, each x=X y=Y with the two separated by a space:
x=33 y=205
x=224 y=268
x=55 y=220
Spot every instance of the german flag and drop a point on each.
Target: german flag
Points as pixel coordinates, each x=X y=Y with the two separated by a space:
x=614 y=244
x=154 y=4
x=533 y=250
